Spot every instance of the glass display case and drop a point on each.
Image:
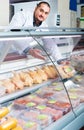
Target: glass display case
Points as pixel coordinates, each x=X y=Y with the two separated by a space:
x=42 y=94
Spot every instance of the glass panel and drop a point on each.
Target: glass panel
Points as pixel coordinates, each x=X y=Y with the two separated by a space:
x=54 y=83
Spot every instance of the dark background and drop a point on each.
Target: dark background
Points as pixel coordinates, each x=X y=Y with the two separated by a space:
x=19 y=1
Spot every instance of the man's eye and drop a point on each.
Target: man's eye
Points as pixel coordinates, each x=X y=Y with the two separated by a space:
x=41 y=10
x=46 y=13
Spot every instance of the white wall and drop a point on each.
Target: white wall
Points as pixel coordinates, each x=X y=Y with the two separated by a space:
x=53 y=13
x=4 y=12
x=26 y=5
x=63 y=10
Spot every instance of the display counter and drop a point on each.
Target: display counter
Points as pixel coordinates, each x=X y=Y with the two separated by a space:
x=51 y=91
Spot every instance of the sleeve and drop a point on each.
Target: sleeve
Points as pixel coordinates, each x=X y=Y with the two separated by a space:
x=18 y=20
x=52 y=48
x=25 y=51
x=23 y=45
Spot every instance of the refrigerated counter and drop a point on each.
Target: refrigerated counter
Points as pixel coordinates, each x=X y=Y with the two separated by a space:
x=12 y=65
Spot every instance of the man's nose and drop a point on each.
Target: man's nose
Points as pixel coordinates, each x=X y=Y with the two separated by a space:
x=43 y=14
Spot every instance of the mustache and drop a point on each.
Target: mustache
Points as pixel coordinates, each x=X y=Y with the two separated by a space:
x=40 y=16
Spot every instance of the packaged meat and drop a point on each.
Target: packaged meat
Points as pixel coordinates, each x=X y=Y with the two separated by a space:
x=59 y=105
x=15 y=112
x=57 y=87
x=21 y=103
x=63 y=99
x=36 y=98
x=46 y=94
x=77 y=61
x=57 y=84
x=76 y=95
x=74 y=100
x=42 y=119
x=78 y=78
x=28 y=125
x=55 y=114
x=41 y=91
x=31 y=105
x=29 y=115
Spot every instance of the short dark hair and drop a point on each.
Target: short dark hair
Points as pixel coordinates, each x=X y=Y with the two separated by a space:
x=43 y=2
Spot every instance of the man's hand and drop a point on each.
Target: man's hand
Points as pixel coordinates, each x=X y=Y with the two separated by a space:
x=37 y=54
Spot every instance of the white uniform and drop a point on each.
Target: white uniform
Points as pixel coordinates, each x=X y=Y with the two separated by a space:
x=19 y=20
x=25 y=19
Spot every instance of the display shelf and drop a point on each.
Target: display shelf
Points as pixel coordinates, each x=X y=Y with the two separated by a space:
x=72 y=120
x=19 y=64
x=69 y=121
x=26 y=90
x=30 y=32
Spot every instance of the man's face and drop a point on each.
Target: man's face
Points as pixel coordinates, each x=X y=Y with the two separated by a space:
x=41 y=12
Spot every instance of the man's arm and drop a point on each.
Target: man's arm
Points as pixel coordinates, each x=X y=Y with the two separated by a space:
x=51 y=47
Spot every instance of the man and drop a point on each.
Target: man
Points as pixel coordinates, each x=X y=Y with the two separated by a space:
x=29 y=19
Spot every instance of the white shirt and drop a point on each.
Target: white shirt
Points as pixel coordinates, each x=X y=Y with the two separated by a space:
x=52 y=48
x=25 y=19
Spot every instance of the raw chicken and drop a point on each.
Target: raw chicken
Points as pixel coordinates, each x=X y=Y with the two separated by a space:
x=48 y=72
x=53 y=70
x=36 y=78
x=26 y=78
x=17 y=81
x=10 y=87
x=42 y=74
